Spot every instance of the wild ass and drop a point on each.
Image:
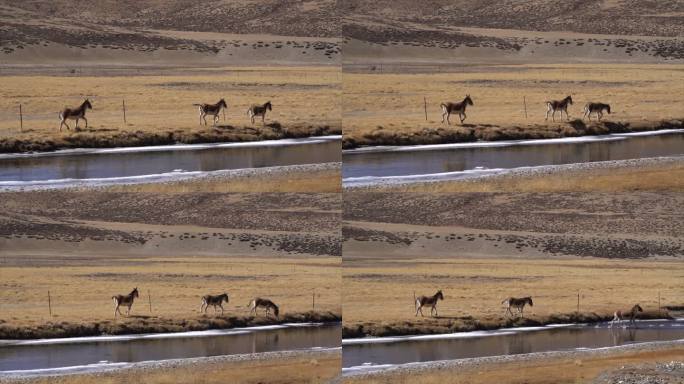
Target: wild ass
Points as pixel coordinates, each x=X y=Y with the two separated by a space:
x=428 y=301
x=214 y=301
x=74 y=114
x=555 y=105
x=596 y=108
x=632 y=314
x=267 y=304
x=259 y=110
x=517 y=303
x=126 y=301
x=211 y=110
x=460 y=108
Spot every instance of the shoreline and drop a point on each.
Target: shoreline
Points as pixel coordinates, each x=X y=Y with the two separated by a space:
x=148 y=326
x=476 y=133
x=448 y=325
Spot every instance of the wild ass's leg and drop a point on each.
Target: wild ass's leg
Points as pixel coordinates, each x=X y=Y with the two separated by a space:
x=548 y=109
x=462 y=115
x=86 y=120
x=76 y=124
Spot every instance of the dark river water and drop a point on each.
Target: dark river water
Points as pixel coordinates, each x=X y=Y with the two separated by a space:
x=70 y=354
x=129 y=162
x=415 y=349
x=398 y=161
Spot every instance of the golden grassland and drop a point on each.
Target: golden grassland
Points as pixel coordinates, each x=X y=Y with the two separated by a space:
x=382 y=107
x=379 y=292
x=305 y=99
x=655 y=177
x=81 y=288
x=303 y=369
x=324 y=181
x=563 y=370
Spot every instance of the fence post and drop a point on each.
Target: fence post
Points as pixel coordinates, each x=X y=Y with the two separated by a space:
x=425 y=107
x=525 y=106
x=49 y=304
x=313 y=300
x=578 y=299
x=21 y=119
x=123 y=104
x=149 y=299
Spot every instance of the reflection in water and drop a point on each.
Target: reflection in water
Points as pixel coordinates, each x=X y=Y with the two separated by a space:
x=460 y=159
x=65 y=355
x=552 y=339
x=106 y=165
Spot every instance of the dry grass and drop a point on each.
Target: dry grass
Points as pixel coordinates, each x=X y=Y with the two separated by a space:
x=668 y=177
x=81 y=287
x=283 y=370
x=544 y=371
x=380 y=291
x=324 y=181
x=381 y=108
x=305 y=101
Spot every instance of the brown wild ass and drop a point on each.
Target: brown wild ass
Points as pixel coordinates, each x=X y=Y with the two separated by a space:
x=214 y=301
x=211 y=110
x=126 y=301
x=267 y=304
x=74 y=114
x=632 y=314
x=259 y=110
x=460 y=108
x=428 y=301
x=555 y=105
x=596 y=108
x=517 y=303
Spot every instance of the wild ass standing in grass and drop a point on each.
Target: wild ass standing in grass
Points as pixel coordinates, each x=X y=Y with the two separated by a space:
x=259 y=110
x=517 y=303
x=632 y=314
x=214 y=301
x=596 y=108
x=428 y=301
x=460 y=108
x=126 y=301
x=74 y=114
x=267 y=304
x=555 y=105
x=211 y=110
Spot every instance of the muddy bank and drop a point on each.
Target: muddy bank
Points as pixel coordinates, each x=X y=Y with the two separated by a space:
x=487 y=132
x=134 y=325
x=112 y=138
x=443 y=325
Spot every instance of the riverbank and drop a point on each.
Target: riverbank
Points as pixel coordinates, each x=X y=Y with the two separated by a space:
x=310 y=366
x=456 y=324
x=646 y=174
x=470 y=133
x=560 y=367
x=141 y=324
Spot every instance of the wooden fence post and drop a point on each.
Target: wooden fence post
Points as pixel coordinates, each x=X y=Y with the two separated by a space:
x=49 y=303
x=123 y=104
x=578 y=299
x=21 y=119
x=313 y=300
x=149 y=299
x=425 y=106
x=525 y=106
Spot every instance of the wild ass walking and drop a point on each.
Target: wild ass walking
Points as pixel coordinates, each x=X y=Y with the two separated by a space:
x=214 y=301
x=555 y=105
x=267 y=304
x=596 y=108
x=126 y=301
x=211 y=110
x=460 y=108
x=259 y=110
x=632 y=314
x=74 y=114
x=517 y=303
x=428 y=301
